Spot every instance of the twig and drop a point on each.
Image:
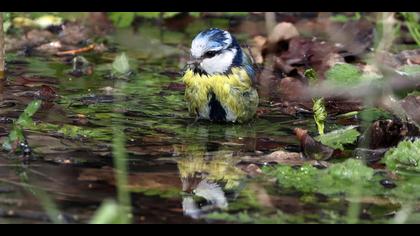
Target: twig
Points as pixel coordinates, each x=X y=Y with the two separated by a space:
x=77 y=51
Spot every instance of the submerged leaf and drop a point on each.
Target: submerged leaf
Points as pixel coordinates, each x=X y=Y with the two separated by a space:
x=121 y=66
x=337 y=138
x=29 y=111
x=24 y=121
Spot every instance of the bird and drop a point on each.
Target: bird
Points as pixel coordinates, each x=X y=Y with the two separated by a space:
x=220 y=79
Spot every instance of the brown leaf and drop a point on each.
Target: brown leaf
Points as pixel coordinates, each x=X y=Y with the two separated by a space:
x=411 y=105
x=297 y=52
x=281 y=65
x=354 y=36
x=292 y=89
x=409 y=57
x=257 y=47
x=319 y=55
x=252 y=170
x=388 y=133
x=311 y=148
x=73 y=33
x=47 y=93
x=35 y=81
x=282 y=32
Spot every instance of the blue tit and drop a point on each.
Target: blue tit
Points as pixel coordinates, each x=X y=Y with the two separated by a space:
x=220 y=79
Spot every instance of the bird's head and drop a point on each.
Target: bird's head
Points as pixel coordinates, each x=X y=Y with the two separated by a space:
x=214 y=51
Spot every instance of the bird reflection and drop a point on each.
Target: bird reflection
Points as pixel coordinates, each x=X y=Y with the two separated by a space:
x=208 y=171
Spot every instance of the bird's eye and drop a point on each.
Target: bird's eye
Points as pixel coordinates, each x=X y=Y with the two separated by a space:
x=210 y=54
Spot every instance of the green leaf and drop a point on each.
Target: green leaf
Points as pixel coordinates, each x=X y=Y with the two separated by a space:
x=194 y=14
x=344 y=74
x=121 y=66
x=235 y=13
x=109 y=213
x=150 y=15
x=412 y=25
x=374 y=114
x=122 y=19
x=320 y=114
x=48 y=20
x=32 y=108
x=311 y=75
x=16 y=135
x=339 y=18
x=170 y=14
x=336 y=139
x=404 y=158
x=25 y=119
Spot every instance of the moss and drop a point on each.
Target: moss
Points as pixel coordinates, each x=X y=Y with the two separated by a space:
x=338 y=178
x=404 y=157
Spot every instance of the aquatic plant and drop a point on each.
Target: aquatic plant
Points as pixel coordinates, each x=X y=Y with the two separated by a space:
x=16 y=135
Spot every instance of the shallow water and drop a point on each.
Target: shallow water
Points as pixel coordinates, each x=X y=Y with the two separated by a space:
x=174 y=162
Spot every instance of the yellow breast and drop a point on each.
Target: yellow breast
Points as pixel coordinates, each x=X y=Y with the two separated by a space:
x=234 y=91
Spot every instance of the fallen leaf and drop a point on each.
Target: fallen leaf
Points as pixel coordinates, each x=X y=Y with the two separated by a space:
x=388 y=133
x=47 y=93
x=411 y=105
x=311 y=148
x=282 y=32
x=292 y=89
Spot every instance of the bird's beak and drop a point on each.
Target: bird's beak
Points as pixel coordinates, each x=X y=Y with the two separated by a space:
x=194 y=63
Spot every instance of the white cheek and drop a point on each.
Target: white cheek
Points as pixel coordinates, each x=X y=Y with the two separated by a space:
x=219 y=63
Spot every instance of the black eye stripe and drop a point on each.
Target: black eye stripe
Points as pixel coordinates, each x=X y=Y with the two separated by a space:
x=210 y=54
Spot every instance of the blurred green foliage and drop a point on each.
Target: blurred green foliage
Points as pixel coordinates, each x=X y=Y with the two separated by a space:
x=344 y=18
x=125 y=19
x=412 y=22
x=344 y=74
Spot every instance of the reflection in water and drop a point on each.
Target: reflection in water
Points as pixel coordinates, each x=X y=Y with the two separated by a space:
x=207 y=171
